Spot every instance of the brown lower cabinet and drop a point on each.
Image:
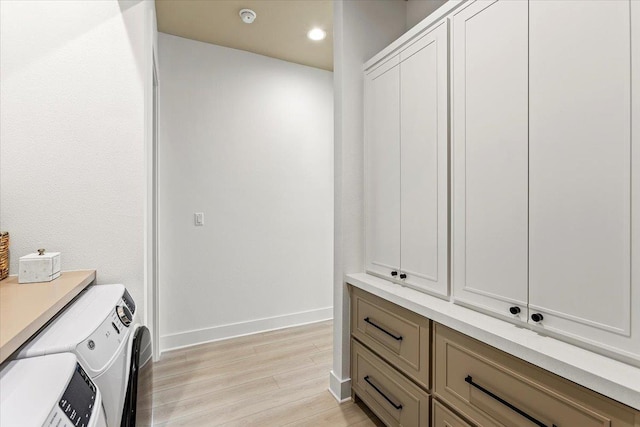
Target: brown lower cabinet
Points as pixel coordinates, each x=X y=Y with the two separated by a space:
x=492 y=388
x=472 y=384
x=443 y=417
x=396 y=400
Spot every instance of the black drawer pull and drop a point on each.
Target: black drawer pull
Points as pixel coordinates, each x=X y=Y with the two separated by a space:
x=469 y=379
x=398 y=407
x=395 y=337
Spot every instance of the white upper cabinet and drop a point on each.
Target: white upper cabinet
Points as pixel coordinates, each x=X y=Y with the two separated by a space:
x=545 y=165
x=490 y=137
x=406 y=135
x=424 y=172
x=382 y=133
x=581 y=170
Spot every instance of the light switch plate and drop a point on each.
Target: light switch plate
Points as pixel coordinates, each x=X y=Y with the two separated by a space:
x=198 y=218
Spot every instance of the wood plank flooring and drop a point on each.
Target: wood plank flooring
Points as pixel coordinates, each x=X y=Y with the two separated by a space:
x=276 y=378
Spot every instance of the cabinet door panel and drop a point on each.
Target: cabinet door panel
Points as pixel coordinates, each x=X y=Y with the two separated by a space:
x=489 y=72
x=423 y=211
x=580 y=167
x=382 y=133
x=442 y=417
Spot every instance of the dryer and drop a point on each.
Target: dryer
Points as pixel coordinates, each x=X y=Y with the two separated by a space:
x=49 y=391
x=138 y=410
x=97 y=329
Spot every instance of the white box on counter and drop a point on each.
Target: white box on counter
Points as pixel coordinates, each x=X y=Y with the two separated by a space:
x=39 y=267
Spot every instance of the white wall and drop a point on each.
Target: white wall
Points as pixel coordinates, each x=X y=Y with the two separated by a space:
x=72 y=114
x=361 y=29
x=247 y=140
x=417 y=10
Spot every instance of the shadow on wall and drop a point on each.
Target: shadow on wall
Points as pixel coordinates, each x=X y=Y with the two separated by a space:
x=417 y=10
x=132 y=18
x=64 y=26
x=127 y=4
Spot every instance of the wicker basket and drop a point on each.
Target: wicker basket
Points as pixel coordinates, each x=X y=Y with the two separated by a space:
x=4 y=254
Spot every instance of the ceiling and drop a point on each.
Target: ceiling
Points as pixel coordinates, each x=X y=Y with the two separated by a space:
x=279 y=31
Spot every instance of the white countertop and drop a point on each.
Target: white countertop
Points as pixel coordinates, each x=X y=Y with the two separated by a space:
x=602 y=374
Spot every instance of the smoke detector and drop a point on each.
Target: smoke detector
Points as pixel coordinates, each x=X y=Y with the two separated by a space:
x=247 y=16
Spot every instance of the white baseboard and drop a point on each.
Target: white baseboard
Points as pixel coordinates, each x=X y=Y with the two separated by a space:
x=217 y=333
x=339 y=388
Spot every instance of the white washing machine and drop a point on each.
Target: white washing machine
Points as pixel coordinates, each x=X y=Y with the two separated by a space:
x=97 y=328
x=49 y=391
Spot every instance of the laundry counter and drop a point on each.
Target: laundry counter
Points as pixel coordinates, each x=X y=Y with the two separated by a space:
x=27 y=307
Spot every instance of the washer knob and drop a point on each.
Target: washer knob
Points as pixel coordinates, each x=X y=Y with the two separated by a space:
x=124 y=314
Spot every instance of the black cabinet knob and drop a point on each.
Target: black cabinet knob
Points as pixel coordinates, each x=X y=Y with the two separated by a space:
x=403 y=276
x=514 y=310
x=537 y=317
x=394 y=273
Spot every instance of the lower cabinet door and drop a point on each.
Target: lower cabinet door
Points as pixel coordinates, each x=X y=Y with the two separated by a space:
x=392 y=397
x=491 y=389
x=442 y=417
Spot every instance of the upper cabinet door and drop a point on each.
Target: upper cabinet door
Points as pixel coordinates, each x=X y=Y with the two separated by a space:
x=581 y=168
x=382 y=157
x=424 y=158
x=490 y=137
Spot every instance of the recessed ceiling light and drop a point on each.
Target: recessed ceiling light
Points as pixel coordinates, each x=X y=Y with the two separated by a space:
x=317 y=34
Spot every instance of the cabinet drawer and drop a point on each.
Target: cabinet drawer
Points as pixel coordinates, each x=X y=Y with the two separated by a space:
x=442 y=417
x=398 y=335
x=391 y=396
x=473 y=377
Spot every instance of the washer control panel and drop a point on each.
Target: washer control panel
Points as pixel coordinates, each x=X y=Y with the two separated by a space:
x=129 y=302
x=125 y=315
x=77 y=402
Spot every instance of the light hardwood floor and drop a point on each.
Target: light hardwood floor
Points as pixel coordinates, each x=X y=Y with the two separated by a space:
x=276 y=378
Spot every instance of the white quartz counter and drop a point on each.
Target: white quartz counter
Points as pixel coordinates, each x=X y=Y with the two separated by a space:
x=604 y=375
